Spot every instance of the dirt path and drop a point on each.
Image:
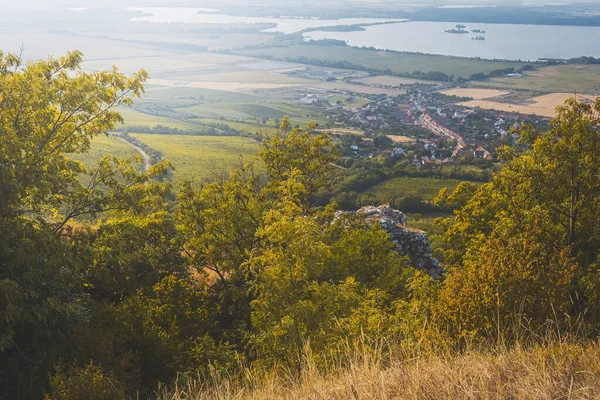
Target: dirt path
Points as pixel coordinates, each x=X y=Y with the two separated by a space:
x=147 y=163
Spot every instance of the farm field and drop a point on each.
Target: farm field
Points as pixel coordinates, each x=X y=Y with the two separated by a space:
x=559 y=79
x=395 y=62
x=389 y=80
x=543 y=106
x=137 y=118
x=424 y=188
x=105 y=145
x=200 y=158
x=358 y=88
x=400 y=139
x=244 y=127
x=213 y=85
x=475 y=93
x=246 y=76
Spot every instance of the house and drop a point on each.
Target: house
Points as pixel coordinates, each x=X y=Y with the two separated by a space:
x=397 y=151
x=482 y=153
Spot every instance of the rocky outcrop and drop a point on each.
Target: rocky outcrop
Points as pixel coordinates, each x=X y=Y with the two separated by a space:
x=410 y=242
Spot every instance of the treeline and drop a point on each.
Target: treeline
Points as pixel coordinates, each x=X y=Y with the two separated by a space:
x=155 y=155
x=364 y=174
x=430 y=75
x=217 y=130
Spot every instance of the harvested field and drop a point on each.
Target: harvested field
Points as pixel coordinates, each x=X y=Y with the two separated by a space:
x=475 y=94
x=343 y=131
x=347 y=87
x=225 y=86
x=401 y=139
x=543 y=106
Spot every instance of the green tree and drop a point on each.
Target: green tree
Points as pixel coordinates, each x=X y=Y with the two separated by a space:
x=520 y=244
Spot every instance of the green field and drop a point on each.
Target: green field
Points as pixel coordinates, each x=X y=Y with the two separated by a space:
x=200 y=158
x=554 y=79
x=101 y=146
x=136 y=118
x=244 y=127
x=425 y=188
x=396 y=62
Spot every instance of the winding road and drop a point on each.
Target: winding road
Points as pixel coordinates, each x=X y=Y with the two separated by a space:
x=147 y=162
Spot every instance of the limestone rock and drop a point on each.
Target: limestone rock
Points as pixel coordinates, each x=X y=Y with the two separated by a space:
x=410 y=242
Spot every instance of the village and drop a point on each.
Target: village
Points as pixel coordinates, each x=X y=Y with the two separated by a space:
x=426 y=125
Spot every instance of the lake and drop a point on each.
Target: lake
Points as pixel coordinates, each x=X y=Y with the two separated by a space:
x=514 y=42
x=202 y=16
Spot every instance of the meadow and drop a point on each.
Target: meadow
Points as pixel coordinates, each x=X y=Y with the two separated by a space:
x=105 y=145
x=201 y=158
x=136 y=118
x=424 y=188
x=395 y=62
x=560 y=78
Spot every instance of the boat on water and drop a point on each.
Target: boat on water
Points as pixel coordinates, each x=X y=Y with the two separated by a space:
x=479 y=37
x=460 y=29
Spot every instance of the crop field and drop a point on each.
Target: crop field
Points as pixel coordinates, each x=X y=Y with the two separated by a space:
x=475 y=93
x=101 y=146
x=348 y=87
x=166 y=93
x=343 y=131
x=401 y=139
x=244 y=127
x=136 y=118
x=200 y=158
x=247 y=76
x=425 y=188
x=389 y=80
x=396 y=62
x=213 y=85
x=559 y=79
x=543 y=106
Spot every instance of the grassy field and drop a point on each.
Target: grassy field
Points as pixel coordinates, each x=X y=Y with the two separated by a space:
x=244 y=127
x=396 y=62
x=136 y=118
x=561 y=78
x=425 y=188
x=551 y=370
x=200 y=158
x=103 y=145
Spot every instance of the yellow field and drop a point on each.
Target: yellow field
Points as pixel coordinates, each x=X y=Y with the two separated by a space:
x=475 y=94
x=401 y=139
x=224 y=86
x=544 y=106
x=343 y=131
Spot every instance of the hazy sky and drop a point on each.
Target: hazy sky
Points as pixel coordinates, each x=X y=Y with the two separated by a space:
x=200 y=3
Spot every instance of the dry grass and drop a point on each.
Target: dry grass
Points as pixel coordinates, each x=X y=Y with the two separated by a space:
x=400 y=139
x=475 y=94
x=544 y=106
x=557 y=370
x=225 y=86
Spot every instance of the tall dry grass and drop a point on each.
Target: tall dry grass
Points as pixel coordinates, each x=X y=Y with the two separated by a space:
x=556 y=368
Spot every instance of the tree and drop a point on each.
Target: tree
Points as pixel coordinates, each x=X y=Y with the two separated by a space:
x=48 y=111
x=520 y=244
x=312 y=155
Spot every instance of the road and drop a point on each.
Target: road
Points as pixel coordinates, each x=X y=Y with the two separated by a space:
x=145 y=156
